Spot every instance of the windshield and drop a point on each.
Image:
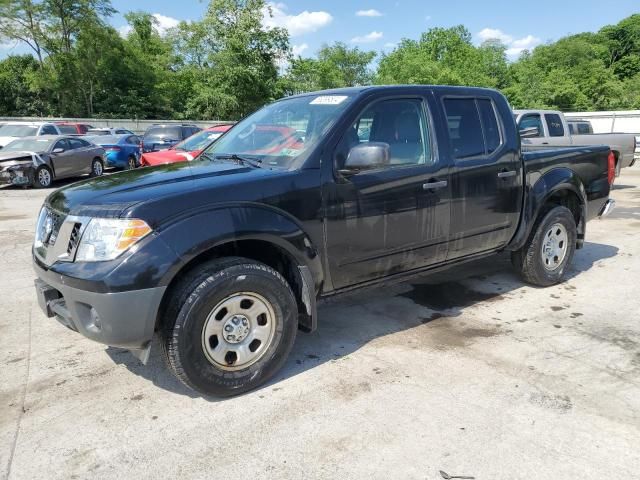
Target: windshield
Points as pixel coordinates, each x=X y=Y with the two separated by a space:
x=18 y=130
x=198 y=141
x=28 y=145
x=168 y=133
x=284 y=133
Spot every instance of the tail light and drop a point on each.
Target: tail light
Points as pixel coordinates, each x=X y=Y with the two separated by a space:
x=611 y=168
x=112 y=149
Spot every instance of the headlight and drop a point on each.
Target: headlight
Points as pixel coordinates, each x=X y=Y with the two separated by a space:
x=106 y=238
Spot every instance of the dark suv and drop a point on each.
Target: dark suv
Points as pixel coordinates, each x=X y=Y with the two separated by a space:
x=162 y=137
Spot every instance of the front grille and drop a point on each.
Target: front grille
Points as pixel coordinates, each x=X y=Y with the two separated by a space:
x=57 y=220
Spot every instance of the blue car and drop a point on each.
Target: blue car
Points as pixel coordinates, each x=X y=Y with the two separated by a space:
x=122 y=151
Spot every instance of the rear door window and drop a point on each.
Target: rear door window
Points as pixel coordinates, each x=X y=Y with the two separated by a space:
x=554 y=124
x=169 y=133
x=67 y=129
x=49 y=130
x=490 y=125
x=465 y=128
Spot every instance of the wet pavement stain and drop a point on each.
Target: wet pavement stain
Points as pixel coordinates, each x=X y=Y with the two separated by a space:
x=444 y=296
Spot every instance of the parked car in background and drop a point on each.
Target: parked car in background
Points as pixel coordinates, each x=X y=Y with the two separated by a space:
x=73 y=128
x=226 y=259
x=186 y=150
x=109 y=131
x=121 y=151
x=541 y=129
x=162 y=137
x=38 y=161
x=579 y=127
x=12 y=130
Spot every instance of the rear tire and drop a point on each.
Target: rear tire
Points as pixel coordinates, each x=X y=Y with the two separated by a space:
x=97 y=168
x=131 y=163
x=43 y=177
x=229 y=326
x=549 y=250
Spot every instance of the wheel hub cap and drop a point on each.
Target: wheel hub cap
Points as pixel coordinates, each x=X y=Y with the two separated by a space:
x=554 y=246
x=236 y=329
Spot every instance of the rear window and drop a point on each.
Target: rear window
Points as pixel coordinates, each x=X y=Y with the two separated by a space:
x=171 y=133
x=67 y=129
x=554 y=124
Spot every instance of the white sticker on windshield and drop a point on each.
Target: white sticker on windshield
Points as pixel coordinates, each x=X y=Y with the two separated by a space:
x=329 y=100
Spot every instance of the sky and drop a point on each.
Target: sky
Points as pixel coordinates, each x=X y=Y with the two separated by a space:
x=379 y=25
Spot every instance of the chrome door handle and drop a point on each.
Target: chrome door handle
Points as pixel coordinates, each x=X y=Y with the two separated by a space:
x=434 y=185
x=510 y=173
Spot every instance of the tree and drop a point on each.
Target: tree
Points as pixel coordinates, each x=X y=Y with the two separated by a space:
x=17 y=95
x=445 y=57
x=336 y=66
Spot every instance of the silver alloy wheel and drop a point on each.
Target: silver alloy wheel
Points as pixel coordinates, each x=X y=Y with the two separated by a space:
x=238 y=331
x=44 y=177
x=555 y=245
x=97 y=168
x=132 y=163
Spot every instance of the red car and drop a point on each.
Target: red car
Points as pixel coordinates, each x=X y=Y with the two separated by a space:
x=72 y=128
x=186 y=150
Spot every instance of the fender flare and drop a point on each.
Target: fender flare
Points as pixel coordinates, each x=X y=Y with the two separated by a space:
x=557 y=180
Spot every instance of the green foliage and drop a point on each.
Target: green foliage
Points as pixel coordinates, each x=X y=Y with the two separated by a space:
x=336 y=66
x=228 y=64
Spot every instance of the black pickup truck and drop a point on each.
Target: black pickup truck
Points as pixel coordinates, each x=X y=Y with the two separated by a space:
x=226 y=257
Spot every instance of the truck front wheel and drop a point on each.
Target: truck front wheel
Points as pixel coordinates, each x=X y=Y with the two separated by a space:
x=229 y=326
x=549 y=250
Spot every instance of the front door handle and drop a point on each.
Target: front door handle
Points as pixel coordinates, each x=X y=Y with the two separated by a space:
x=507 y=174
x=434 y=185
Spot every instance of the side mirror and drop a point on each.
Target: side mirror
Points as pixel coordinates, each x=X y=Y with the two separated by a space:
x=58 y=150
x=366 y=156
x=530 y=132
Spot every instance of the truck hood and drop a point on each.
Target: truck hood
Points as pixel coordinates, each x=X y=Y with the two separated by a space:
x=112 y=195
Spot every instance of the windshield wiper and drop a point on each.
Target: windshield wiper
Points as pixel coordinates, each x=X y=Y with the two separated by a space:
x=252 y=162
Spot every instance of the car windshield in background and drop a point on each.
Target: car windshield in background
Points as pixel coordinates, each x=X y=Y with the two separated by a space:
x=29 y=145
x=97 y=131
x=284 y=133
x=198 y=141
x=163 y=133
x=18 y=130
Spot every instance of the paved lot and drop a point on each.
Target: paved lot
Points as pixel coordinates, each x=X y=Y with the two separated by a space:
x=478 y=375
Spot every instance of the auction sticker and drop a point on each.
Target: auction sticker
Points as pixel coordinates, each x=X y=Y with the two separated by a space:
x=329 y=100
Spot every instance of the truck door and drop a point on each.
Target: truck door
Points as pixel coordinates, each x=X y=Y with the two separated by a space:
x=486 y=177
x=535 y=142
x=395 y=217
x=556 y=131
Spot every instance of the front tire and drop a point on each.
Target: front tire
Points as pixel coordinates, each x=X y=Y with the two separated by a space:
x=43 y=177
x=229 y=326
x=97 y=168
x=549 y=250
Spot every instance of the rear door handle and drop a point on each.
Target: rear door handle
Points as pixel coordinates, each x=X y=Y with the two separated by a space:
x=507 y=174
x=434 y=185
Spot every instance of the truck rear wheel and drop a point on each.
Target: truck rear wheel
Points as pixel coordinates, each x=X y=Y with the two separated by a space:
x=230 y=326
x=549 y=250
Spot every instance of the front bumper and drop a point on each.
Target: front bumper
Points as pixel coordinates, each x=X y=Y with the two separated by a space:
x=17 y=175
x=119 y=319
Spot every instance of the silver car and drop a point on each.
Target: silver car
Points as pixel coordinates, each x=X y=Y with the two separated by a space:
x=38 y=161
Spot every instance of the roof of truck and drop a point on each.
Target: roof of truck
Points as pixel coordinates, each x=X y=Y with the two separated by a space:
x=358 y=90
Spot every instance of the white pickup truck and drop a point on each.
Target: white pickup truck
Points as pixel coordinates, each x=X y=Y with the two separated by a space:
x=549 y=129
